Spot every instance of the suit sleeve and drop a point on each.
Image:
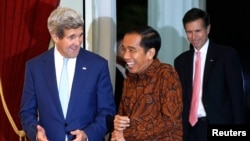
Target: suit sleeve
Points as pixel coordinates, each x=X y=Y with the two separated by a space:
x=106 y=106
x=234 y=77
x=28 y=114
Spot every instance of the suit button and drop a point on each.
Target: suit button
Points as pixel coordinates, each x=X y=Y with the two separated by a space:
x=65 y=124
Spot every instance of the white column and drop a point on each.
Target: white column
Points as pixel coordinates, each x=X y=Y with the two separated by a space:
x=100 y=32
x=166 y=17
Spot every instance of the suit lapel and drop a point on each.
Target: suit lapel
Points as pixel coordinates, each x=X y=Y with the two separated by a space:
x=189 y=73
x=210 y=60
x=79 y=80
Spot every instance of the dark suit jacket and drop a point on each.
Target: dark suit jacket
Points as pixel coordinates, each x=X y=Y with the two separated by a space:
x=118 y=87
x=91 y=100
x=223 y=93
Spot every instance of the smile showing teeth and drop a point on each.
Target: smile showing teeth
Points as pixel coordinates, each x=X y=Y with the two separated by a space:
x=130 y=64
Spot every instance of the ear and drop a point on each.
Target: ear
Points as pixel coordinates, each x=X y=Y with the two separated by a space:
x=54 y=37
x=151 y=53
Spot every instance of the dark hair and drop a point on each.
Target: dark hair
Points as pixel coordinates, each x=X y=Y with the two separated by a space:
x=150 y=38
x=195 y=14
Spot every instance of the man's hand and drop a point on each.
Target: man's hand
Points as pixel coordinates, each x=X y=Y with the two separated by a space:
x=41 y=135
x=80 y=135
x=121 y=122
x=117 y=136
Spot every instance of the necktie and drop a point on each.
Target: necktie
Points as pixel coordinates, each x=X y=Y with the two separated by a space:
x=64 y=87
x=196 y=89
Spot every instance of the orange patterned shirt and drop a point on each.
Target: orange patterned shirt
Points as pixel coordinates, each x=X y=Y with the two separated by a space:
x=153 y=102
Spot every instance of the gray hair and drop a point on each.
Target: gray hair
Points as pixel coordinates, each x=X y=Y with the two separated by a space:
x=63 y=18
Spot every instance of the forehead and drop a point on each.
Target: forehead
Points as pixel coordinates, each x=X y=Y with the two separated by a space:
x=194 y=24
x=132 y=39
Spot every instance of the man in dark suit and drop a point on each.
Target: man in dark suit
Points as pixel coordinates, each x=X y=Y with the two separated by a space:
x=90 y=95
x=221 y=91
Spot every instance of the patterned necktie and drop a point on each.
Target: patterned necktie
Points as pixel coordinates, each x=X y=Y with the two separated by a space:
x=64 y=87
x=196 y=89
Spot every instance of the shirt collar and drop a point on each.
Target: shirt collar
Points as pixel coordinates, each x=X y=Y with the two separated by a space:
x=148 y=73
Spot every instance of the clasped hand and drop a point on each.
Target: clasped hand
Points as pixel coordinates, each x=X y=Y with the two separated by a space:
x=120 y=124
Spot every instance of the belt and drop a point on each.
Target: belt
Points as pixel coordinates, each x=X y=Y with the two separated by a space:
x=202 y=119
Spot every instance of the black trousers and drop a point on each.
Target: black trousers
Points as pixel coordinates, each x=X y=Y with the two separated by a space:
x=199 y=131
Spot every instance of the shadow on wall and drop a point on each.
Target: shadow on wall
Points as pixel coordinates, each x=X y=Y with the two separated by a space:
x=173 y=44
x=101 y=39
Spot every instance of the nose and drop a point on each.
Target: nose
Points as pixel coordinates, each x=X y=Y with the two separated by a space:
x=126 y=54
x=193 y=35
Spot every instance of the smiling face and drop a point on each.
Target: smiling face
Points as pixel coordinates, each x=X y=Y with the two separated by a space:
x=137 y=60
x=197 y=33
x=70 y=44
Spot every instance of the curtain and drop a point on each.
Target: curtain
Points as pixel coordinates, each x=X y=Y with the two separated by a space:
x=24 y=34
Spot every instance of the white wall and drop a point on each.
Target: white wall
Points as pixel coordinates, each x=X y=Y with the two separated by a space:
x=74 y=4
